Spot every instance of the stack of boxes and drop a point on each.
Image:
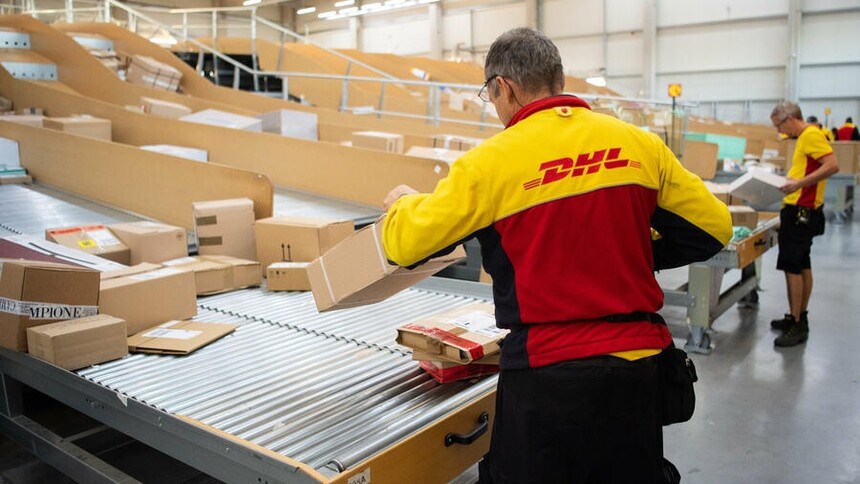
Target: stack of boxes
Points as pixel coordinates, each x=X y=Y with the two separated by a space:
x=150 y=72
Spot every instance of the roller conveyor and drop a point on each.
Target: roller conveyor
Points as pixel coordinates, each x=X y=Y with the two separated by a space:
x=292 y=395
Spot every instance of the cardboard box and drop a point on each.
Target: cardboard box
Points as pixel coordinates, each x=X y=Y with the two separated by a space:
x=700 y=157
x=455 y=142
x=82 y=126
x=377 y=140
x=448 y=372
x=297 y=239
x=441 y=154
x=15 y=179
x=34 y=120
x=35 y=248
x=78 y=343
x=847 y=155
x=216 y=274
x=225 y=227
x=31 y=111
x=355 y=272
x=179 y=151
x=759 y=188
x=224 y=119
x=92 y=239
x=288 y=122
x=743 y=216
x=33 y=293
x=164 y=109
x=288 y=276
x=178 y=337
x=151 y=241
x=147 y=71
x=462 y=335
x=493 y=359
x=144 y=297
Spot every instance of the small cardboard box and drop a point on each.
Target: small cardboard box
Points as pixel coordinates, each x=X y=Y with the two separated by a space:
x=743 y=216
x=78 y=343
x=214 y=117
x=461 y=336
x=82 y=126
x=700 y=158
x=147 y=71
x=164 y=109
x=144 y=297
x=151 y=241
x=34 y=293
x=178 y=337
x=15 y=179
x=288 y=122
x=34 y=120
x=355 y=272
x=297 y=239
x=241 y=272
x=447 y=372
x=219 y=273
x=179 y=151
x=288 y=276
x=92 y=239
x=759 y=188
x=225 y=227
x=455 y=142
x=378 y=140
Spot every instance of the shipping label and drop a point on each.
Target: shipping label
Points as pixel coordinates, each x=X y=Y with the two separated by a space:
x=172 y=333
x=478 y=322
x=44 y=311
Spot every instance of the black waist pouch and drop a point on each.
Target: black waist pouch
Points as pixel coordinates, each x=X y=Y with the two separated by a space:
x=677 y=373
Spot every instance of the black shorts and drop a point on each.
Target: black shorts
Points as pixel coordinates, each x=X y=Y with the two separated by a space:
x=795 y=238
x=589 y=420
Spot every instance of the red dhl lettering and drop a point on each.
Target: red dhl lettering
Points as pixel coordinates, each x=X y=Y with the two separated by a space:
x=586 y=164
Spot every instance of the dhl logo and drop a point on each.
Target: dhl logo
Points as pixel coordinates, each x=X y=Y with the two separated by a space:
x=586 y=164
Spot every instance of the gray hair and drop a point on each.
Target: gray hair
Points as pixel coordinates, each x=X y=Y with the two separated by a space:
x=528 y=58
x=785 y=110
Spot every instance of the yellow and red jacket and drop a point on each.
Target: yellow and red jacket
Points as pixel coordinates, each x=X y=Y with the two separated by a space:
x=847 y=132
x=562 y=202
x=810 y=148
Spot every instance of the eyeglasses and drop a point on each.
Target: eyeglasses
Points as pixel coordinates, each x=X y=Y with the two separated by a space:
x=777 y=125
x=483 y=94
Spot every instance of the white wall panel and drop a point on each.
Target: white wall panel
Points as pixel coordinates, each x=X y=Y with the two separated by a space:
x=830 y=38
x=403 y=38
x=572 y=17
x=842 y=81
x=334 y=39
x=627 y=86
x=581 y=57
x=492 y=22
x=840 y=109
x=764 y=84
x=624 y=15
x=457 y=29
x=680 y=12
x=753 y=44
x=625 y=54
x=823 y=5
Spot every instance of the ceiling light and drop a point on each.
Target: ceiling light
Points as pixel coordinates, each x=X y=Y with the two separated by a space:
x=347 y=11
x=343 y=3
x=248 y=3
x=371 y=6
x=598 y=81
x=307 y=10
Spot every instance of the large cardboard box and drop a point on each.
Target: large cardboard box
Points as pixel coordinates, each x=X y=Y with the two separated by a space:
x=92 y=239
x=225 y=227
x=82 y=126
x=288 y=276
x=179 y=151
x=288 y=122
x=224 y=119
x=178 y=337
x=743 y=216
x=33 y=293
x=144 y=297
x=378 y=140
x=150 y=72
x=462 y=335
x=355 y=272
x=152 y=241
x=700 y=157
x=219 y=273
x=297 y=239
x=164 y=109
x=759 y=188
x=78 y=343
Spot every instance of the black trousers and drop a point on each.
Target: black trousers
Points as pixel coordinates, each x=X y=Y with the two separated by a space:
x=593 y=420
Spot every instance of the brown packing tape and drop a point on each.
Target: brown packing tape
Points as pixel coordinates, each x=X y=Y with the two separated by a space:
x=210 y=241
x=207 y=220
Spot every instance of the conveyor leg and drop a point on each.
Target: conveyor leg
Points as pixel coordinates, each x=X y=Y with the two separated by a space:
x=699 y=341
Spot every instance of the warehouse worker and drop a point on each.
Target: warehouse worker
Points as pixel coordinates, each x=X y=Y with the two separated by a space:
x=801 y=217
x=826 y=132
x=847 y=132
x=563 y=202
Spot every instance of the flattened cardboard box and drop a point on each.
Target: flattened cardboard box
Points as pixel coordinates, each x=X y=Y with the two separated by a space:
x=225 y=227
x=178 y=337
x=34 y=293
x=79 y=343
x=215 y=274
x=151 y=241
x=288 y=276
x=150 y=297
x=462 y=335
x=355 y=272
x=297 y=239
x=92 y=239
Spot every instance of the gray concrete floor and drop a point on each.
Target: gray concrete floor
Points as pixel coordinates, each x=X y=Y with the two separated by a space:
x=764 y=414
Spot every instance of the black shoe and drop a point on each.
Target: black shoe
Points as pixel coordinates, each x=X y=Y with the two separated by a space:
x=796 y=334
x=783 y=324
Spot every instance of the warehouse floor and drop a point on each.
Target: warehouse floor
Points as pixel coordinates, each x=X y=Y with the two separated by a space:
x=764 y=415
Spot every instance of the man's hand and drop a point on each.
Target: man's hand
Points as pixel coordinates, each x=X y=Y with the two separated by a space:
x=791 y=185
x=396 y=193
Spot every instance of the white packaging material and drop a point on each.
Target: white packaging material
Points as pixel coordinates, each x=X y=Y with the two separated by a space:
x=179 y=151
x=288 y=122
x=224 y=119
x=759 y=188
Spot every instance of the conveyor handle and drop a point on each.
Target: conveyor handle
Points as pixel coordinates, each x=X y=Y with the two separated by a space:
x=483 y=422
